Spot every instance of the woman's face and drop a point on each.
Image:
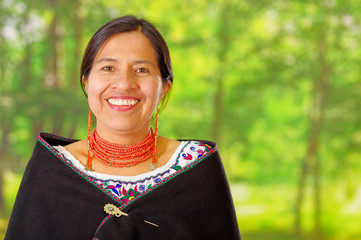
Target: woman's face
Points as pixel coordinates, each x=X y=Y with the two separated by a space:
x=125 y=86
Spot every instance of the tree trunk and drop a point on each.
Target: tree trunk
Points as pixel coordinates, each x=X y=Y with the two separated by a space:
x=78 y=20
x=53 y=42
x=55 y=46
x=311 y=163
x=300 y=195
x=324 y=79
x=3 y=157
x=75 y=80
x=223 y=46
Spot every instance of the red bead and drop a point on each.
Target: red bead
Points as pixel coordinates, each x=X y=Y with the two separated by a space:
x=118 y=155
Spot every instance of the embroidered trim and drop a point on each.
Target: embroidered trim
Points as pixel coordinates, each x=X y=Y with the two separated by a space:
x=159 y=172
x=174 y=175
x=109 y=194
x=53 y=136
x=77 y=171
x=102 y=223
x=128 y=187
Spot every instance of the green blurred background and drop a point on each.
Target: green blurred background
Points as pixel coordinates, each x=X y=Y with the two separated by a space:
x=275 y=83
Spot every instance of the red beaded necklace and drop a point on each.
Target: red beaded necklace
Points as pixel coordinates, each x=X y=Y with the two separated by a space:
x=118 y=155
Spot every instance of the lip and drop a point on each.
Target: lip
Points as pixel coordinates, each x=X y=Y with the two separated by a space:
x=122 y=107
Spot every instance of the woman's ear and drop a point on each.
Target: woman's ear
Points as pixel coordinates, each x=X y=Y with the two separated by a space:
x=85 y=83
x=166 y=87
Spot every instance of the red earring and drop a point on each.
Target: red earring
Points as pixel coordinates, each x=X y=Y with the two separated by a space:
x=154 y=160
x=89 y=161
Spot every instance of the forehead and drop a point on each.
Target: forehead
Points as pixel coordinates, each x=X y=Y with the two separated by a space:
x=132 y=44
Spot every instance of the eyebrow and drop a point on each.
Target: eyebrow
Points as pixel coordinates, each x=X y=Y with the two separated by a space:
x=134 y=62
x=106 y=60
x=145 y=61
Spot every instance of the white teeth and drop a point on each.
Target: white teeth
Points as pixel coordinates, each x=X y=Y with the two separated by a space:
x=122 y=102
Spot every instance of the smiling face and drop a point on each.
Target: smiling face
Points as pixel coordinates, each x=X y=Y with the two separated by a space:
x=125 y=86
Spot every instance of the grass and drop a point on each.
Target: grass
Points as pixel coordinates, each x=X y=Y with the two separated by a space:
x=3 y=225
x=11 y=186
x=266 y=212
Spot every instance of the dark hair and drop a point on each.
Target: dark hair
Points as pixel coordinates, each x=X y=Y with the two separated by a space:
x=127 y=24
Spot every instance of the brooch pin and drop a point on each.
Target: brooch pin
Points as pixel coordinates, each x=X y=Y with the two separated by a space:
x=114 y=210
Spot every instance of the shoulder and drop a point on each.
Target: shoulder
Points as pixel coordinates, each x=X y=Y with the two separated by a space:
x=208 y=146
x=79 y=150
x=77 y=147
x=53 y=140
x=192 y=152
x=200 y=149
x=166 y=148
x=197 y=148
x=167 y=144
x=49 y=141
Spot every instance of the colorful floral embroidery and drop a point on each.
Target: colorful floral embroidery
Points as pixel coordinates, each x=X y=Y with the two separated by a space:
x=115 y=189
x=130 y=194
x=126 y=191
x=187 y=156
x=177 y=167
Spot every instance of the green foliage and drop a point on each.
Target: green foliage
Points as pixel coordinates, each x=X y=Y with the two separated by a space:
x=266 y=213
x=263 y=59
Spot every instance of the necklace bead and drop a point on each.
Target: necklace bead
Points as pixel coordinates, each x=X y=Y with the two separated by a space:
x=135 y=156
x=118 y=155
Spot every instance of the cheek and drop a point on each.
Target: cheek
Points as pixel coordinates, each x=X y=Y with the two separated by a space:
x=95 y=86
x=154 y=91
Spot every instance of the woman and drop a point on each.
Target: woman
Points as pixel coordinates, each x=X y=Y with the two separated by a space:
x=124 y=181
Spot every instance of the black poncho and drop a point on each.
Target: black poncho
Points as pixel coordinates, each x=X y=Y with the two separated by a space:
x=194 y=203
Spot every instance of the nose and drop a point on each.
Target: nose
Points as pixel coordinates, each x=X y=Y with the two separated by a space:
x=124 y=80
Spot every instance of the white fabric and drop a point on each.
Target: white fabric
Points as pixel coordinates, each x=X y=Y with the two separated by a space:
x=127 y=187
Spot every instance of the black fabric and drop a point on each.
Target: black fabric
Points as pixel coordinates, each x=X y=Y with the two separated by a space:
x=54 y=202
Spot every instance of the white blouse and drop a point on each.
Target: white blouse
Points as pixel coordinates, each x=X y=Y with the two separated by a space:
x=128 y=187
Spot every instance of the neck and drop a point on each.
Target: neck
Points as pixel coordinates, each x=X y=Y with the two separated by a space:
x=123 y=137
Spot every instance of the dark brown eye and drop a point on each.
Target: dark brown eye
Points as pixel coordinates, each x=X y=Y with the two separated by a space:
x=142 y=70
x=108 y=68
